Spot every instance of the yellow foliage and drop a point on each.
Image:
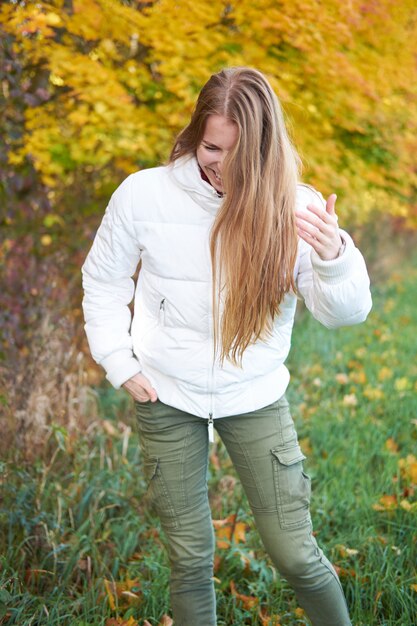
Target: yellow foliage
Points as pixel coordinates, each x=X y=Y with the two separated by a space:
x=123 y=79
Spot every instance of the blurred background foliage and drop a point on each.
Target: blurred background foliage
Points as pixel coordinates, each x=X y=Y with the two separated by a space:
x=92 y=90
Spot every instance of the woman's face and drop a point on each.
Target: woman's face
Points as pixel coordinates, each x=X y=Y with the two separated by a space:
x=220 y=136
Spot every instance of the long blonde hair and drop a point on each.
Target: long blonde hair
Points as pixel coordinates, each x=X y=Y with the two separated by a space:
x=253 y=242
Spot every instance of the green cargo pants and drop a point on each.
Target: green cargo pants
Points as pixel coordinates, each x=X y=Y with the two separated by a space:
x=264 y=449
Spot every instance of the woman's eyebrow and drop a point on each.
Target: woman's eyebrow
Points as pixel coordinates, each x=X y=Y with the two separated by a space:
x=208 y=143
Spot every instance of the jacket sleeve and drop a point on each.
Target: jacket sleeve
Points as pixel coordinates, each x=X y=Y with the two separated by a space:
x=336 y=292
x=109 y=288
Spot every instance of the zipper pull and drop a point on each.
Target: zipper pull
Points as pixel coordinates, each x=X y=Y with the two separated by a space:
x=210 y=428
x=162 y=311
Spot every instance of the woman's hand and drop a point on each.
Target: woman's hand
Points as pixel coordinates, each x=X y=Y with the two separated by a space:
x=319 y=228
x=140 y=389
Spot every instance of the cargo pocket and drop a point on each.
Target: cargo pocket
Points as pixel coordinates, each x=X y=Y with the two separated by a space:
x=292 y=487
x=157 y=493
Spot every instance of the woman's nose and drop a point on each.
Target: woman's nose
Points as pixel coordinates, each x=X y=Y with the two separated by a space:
x=221 y=158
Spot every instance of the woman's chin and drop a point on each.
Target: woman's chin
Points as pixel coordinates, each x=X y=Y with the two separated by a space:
x=218 y=186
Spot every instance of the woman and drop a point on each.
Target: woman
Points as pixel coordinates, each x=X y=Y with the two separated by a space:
x=227 y=239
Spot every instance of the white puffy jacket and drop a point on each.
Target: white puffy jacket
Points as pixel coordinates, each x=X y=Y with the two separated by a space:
x=162 y=217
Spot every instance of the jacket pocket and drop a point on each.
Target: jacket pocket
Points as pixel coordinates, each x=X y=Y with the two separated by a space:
x=292 y=487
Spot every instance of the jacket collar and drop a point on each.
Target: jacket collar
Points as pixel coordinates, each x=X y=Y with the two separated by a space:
x=186 y=174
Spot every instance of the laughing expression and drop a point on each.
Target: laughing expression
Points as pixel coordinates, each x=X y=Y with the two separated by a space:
x=220 y=136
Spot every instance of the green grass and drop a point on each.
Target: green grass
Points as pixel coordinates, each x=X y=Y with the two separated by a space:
x=77 y=519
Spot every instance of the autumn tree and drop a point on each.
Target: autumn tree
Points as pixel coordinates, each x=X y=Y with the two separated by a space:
x=109 y=83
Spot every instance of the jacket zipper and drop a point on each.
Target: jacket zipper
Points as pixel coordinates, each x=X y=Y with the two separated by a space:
x=162 y=312
x=210 y=428
x=210 y=378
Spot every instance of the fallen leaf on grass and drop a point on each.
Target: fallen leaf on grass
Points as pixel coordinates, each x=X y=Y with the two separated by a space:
x=218 y=560
x=350 y=400
x=358 y=376
x=214 y=459
x=268 y=620
x=342 y=378
x=354 y=365
x=373 y=393
x=402 y=384
x=165 y=621
x=391 y=445
x=34 y=575
x=306 y=446
x=343 y=572
x=248 y=602
x=408 y=468
x=118 y=621
x=122 y=594
x=386 y=503
x=344 y=551
x=384 y=374
x=228 y=530
x=407 y=506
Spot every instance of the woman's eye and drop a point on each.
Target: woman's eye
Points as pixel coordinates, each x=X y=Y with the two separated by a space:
x=211 y=148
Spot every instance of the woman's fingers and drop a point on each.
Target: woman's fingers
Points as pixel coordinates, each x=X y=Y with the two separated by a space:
x=318 y=227
x=140 y=388
x=330 y=204
x=316 y=222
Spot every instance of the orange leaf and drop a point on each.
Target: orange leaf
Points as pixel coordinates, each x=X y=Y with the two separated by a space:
x=119 y=621
x=391 y=445
x=386 y=503
x=219 y=523
x=342 y=378
x=384 y=374
x=408 y=467
x=214 y=459
x=217 y=562
x=165 y=621
x=109 y=589
x=228 y=530
x=127 y=593
x=248 y=602
x=342 y=572
x=358 y=376
x=239 y=532
x=306 y=446
x=268 y=620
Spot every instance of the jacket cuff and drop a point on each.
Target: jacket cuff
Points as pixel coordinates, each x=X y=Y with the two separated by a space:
x=120 y=366
x=338 y=269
